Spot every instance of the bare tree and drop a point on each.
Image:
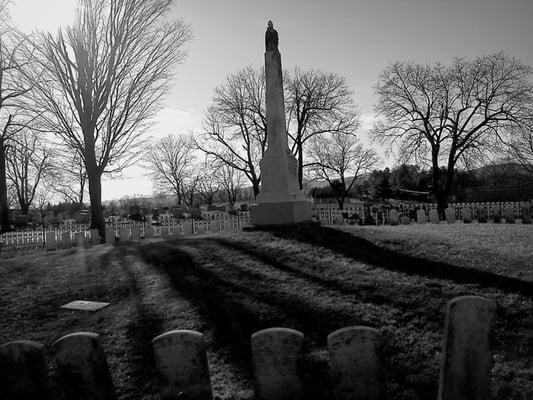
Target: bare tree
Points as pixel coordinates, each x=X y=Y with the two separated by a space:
x=340 y=160
x=318 y=103
x=445 y=114
x=13 y=90
x=171 y=164
x=102 y=79
x=235 y=125
x=230 y=181
x=521 y=146
x=70 y=178
x=28 y=164
x=208 y=182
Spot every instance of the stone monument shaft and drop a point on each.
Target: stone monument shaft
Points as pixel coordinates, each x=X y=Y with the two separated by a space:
x=280 y=200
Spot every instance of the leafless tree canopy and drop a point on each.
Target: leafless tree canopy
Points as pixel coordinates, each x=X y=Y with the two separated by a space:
x=235 y=124
x=340 y=160
x=171 y=162
x=521 y=146
x=317 y=103
x=29 y=164
x=444 y=114
x=102 y=79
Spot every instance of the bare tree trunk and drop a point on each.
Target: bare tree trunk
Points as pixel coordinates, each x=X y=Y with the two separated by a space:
x=4 y=205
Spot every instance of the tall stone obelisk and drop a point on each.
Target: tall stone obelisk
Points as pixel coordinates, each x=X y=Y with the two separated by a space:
x=280 y=200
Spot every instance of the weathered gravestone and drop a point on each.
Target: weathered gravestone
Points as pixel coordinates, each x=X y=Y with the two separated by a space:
x=421 y=216
x=80 y=239
x=66 y=241
x=201 y=229
x=394 y=217
x=355 y=364
x=110 y=235
x=467 y=356
x=405 y=220
x=214 y=226
x=165 y=232
x=148 y=231
x=124 y=234
x=136 y=233
x=95 y=237
x=188 y=228
x=275 y=353
x=496 y=214
x=50 y=243
x=467 y=215
x=450 y=215
x=176 y=231
x=434 y=216
x=526 y=215
x=181 y=361
x=481 y=215
x=23 y=371
x=82 y=371
x=509 y=214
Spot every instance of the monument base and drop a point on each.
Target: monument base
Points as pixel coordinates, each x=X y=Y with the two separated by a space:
x=281 y=213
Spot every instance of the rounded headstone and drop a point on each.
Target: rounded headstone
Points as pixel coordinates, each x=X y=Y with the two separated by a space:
x=23 y=371
x=421 y=216
x=434 y=216
x=450 y=215
x=181 y=360
x=124 y=234
x=405 y=220
x=467 y=356
x=50 y=243
x=82 y=371
x=275 y=352
x=355 y=363
x=394 y=217
x=509 y=214
x=467 y=215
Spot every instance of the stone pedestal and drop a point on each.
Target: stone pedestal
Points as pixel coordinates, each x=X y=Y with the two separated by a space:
x=280 y=200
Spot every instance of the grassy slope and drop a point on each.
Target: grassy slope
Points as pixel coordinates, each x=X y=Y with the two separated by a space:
x=397 y=279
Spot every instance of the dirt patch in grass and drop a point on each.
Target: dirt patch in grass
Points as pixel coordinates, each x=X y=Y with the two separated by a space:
x=312 y=279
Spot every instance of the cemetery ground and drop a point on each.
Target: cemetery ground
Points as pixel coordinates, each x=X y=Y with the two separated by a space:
x=313 y=279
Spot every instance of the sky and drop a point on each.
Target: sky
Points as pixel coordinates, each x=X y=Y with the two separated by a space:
x=354 y=38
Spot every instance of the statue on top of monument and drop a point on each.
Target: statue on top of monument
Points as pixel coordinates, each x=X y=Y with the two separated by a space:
x=271 y=38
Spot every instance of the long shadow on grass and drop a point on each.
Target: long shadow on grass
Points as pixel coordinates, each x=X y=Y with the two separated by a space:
x=140 y=330
x=230 y=299
x=364 y=251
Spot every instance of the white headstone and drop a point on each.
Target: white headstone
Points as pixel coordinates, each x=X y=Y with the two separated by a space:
x=434 y=216
x=467 y=357
x=50 y=243
x=450 y=215
x=275 y=353
x=24 y=371
x=394 y=217
x=82 y=368
x=421 y=216
x=110 y=235
x=467 y=215
x=355 y=363
x=180 y=358
x=124 y=234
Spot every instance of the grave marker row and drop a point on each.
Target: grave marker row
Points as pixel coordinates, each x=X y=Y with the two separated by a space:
x=355 y=362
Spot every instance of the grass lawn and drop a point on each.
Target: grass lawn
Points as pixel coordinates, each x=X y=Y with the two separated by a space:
x=313 y=279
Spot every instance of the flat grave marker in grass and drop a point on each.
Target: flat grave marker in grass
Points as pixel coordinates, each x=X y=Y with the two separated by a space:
x=275 y=352
x=83 y=305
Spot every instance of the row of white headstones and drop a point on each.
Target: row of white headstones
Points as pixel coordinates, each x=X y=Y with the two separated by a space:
x=422 y=217
x=356 y=364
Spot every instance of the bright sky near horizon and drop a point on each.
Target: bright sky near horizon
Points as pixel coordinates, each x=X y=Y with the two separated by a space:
x=354 y=38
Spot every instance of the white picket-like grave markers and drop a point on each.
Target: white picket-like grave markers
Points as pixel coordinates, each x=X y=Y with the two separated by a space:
x=23 y=371
x=394 y=217
x=275 y=352
x=466 y=356
x=355 y=363
x=82 y=370
x=181 y=360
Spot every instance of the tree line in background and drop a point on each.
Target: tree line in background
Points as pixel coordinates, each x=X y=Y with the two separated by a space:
x=74 y=107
